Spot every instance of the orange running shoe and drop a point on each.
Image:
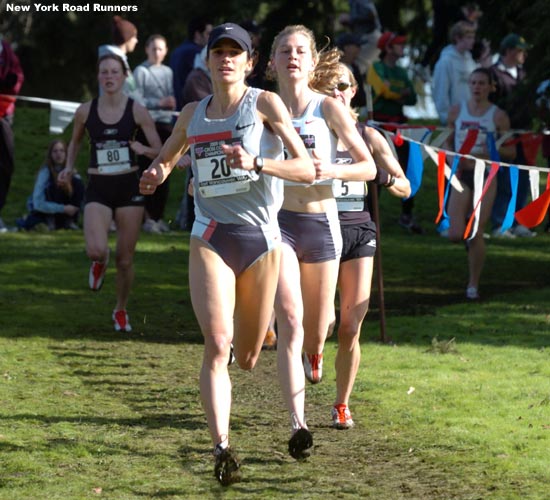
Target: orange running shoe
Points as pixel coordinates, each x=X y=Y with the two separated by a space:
x=270 y=341
x=341 y=417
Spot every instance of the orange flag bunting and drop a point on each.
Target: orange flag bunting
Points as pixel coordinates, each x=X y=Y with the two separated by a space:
x=533 y=214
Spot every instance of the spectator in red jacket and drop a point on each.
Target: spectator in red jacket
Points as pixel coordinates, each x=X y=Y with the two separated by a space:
x=11 y=80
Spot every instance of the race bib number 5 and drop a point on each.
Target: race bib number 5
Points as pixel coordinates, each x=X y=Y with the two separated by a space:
x=215 y=177
x=350 y=195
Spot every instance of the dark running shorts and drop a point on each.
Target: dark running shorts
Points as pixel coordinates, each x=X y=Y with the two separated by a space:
x=467 y=177
x=114 y=191
x=238 y=245
x=313 y=237
x=358 y=240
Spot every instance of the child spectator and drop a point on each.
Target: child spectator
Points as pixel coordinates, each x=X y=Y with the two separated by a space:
x=154 y=81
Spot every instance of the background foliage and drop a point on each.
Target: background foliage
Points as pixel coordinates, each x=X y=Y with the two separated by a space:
x=58 y=50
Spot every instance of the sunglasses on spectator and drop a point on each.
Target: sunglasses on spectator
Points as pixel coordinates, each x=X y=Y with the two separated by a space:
x=343 y=86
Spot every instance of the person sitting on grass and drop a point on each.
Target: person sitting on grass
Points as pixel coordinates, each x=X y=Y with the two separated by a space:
x=54 y=202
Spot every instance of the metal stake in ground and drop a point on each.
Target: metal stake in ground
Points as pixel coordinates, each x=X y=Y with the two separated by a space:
x=373 y=190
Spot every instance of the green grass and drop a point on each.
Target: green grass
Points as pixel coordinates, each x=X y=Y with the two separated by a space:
x=88 y=413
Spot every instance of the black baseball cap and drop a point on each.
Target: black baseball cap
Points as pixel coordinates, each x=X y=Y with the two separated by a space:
x=233 y=32
x=513 y=41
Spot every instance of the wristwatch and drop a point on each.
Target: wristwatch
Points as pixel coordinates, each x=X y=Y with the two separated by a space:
x=258 y=164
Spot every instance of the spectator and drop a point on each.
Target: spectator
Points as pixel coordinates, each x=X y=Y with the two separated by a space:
x=183 y=57
x=124 y=35
x=391 y=86
x=543 y=107
x=509 y=75
x=364 y=23
x=392 y=89
x=11 y=80
x=445 y=14
x=480 y=114
x=154 y=81
x=350 y=46
x=452 y=69
x=197 y=86
x=198 y=83
x=257 y=75
x=54 y=202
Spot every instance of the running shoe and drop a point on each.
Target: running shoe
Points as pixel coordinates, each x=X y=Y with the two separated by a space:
x=341 y=417
x=227 y=469
x=151 y=226
x=121 y=321
x=97 y=273
x=231 y=359
x=523 y=232
x=163 y=226
x=472 y=293
x=300 y=444
x=499 y=233
x=270 y=341
x=313 y=367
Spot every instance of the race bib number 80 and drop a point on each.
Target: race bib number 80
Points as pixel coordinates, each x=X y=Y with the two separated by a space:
x=113 y=156
x=215 y=176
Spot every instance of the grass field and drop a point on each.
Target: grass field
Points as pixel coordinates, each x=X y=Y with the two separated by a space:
x=455 y=406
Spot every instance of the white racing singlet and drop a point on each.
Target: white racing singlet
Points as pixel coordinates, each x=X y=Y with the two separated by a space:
x=466 y=121
x=316 y=135
x=226 y=195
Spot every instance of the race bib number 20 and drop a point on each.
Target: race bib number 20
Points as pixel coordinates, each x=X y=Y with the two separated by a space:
x=215 y=176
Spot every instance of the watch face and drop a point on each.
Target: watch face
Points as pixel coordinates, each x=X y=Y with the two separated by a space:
x=259 y=162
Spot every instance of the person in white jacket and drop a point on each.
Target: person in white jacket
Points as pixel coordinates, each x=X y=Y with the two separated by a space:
x=452 y=69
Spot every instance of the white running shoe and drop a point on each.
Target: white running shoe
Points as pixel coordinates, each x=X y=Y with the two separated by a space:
x=523 y=232
x=498 y=233
x=313 y=367
x=472 y=293
x=151 y=226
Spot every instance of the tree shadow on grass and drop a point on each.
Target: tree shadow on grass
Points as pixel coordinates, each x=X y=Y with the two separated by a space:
x=496 y=323
x=424 y=284
x=179 y=420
